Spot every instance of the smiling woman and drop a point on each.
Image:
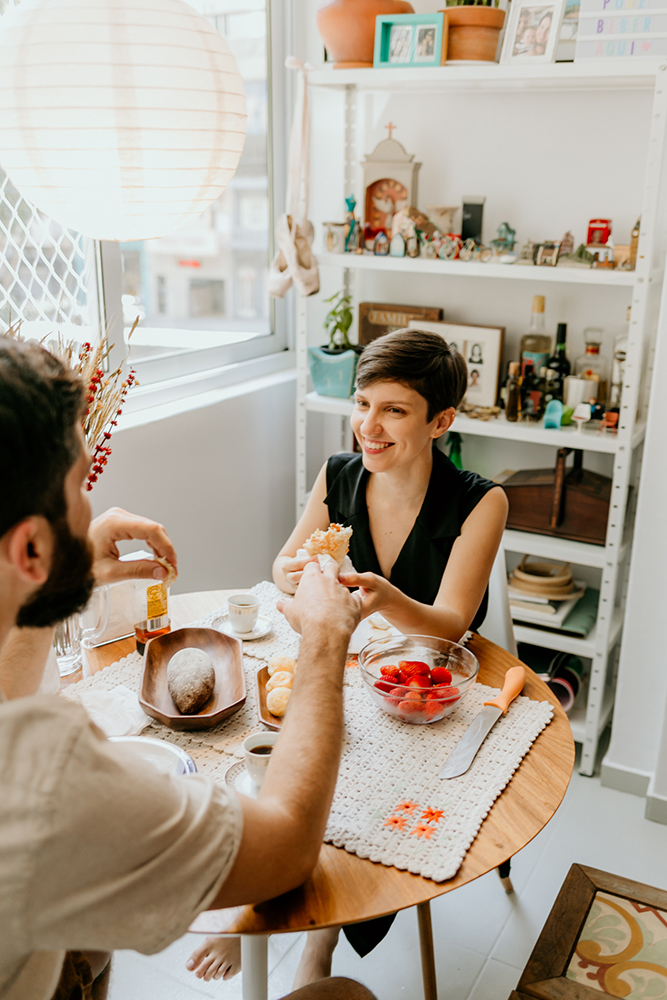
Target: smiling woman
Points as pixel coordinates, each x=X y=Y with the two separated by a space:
x=424 y=533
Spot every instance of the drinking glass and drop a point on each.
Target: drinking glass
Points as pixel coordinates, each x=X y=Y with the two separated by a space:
x=71 y=636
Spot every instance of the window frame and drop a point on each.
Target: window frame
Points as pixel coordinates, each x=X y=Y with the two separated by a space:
x=174 y=374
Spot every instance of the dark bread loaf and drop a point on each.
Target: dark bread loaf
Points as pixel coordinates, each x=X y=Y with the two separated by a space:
x=190 y=679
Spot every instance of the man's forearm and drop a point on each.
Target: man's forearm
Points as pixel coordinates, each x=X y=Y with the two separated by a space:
x=23 y=659
x=304 y=764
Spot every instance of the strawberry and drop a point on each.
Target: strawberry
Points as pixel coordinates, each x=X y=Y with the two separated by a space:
x=391 y=673
x=444 y=693
x=384 y=685
x=410 y=709
x=441 y=675
x=433 y=710
x=414 y=668
x=419 y=681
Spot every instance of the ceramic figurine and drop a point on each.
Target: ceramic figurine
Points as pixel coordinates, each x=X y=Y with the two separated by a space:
x=381 y=247
x=397 y=246
x=352 y=224
x=469 y=250
x=505 y=239
x=567 y=243
x=412 y=246
x=527 y=253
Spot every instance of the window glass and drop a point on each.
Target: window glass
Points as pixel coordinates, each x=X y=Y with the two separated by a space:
x=205 y=285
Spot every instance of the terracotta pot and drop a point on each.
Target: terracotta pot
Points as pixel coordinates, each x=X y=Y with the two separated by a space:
x=473 y=32
x=347 y=28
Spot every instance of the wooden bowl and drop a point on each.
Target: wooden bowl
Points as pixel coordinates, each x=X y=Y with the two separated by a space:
x=269 y=720
x=230 y=690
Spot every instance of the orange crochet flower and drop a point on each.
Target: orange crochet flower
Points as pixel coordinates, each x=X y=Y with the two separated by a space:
x=396 y=822
x=406 y=806
x=422 y=830
x=434 y=815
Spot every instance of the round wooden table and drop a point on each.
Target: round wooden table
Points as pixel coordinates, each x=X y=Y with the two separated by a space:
x=343 y=888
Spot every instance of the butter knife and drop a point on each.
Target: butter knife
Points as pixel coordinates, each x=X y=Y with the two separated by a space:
x=465 y=750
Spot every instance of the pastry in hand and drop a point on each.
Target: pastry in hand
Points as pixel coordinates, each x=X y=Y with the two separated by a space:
x=334 y=542
x=171 y=572
x=281 y=679
x=277 y=663
x=277 y=701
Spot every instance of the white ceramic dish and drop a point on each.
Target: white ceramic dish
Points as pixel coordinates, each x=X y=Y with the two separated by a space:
x=366 y=632
x=238 y=778
x=161 y=754
x=262 y=628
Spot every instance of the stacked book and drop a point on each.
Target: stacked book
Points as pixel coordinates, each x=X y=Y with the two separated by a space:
x=545 y=596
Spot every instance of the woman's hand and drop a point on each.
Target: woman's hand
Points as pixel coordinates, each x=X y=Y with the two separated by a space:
x=376 y=593
x=288 y=570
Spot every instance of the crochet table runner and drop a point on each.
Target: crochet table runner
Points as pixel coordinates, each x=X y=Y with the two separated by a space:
x=389 y=806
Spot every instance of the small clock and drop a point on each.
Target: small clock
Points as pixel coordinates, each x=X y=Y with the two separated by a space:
x=383 y=199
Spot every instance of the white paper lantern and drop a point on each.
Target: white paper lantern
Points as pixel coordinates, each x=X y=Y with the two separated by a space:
x=121 y=119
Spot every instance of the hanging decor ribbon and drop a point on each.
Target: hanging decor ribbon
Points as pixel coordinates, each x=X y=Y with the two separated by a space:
x=294 y=261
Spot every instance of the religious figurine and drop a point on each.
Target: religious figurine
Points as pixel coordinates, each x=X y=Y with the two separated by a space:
x=381 y=247
x=397 y=246
x=351 y=237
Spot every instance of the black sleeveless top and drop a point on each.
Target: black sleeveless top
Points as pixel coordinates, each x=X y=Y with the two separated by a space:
x=452 y=494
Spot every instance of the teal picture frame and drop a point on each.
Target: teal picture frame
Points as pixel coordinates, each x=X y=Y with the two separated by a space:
x=410 y=40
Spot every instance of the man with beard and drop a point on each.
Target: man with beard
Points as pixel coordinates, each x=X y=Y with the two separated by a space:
x=97 y=850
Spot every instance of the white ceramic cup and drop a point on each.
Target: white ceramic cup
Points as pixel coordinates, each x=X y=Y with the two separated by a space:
x=243 y=610
x=257 y=763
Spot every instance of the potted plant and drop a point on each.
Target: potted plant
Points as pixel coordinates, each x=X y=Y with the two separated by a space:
x=334 y=365
x=474 y=29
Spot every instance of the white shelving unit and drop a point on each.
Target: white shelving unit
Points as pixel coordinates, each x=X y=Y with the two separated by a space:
x=644 y=289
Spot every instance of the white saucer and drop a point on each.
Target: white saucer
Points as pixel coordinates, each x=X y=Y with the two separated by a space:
x=262 y=628
x=162 y=754
x=238 y=778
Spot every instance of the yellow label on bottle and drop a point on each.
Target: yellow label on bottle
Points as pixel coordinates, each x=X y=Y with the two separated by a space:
x=156 y=601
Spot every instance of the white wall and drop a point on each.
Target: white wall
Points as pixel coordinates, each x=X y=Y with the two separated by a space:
x=221 y=480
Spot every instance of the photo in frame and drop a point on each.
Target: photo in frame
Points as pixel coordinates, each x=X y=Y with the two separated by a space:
x=597 y=940
x=533 y=31
x=403 y=40
x=481 y=347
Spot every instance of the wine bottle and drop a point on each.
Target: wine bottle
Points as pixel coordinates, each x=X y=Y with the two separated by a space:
x=559 y=364
x=513 y=388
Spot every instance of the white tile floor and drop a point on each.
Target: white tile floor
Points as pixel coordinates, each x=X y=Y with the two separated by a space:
x=482 y=937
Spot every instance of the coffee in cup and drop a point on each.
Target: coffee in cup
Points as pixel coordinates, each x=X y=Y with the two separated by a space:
x=257 y=752
x=243 y=611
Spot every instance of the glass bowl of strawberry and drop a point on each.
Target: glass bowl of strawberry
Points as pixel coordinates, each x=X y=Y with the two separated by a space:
x=417 y=678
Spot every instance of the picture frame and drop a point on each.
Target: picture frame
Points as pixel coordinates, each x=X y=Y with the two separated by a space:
x=533 y=32
x=378 y=318
x=564 y=959
x=482 y=348
x=403 y=40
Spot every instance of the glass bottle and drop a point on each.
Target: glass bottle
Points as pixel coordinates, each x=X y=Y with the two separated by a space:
x=559 y=364
x=531 y=393
x=591 y=366
x=152 y=608
x=618 y=367
x=535 y=345
x=513 y=387
x=553 y=388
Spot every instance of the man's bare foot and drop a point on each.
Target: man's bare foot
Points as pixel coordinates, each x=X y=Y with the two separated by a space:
x=317 y=956
x=216 y=958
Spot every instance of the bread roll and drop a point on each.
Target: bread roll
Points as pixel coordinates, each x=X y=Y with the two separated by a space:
x=190 y=679
x=277 y=701
x=277 y=663
x=281 y=679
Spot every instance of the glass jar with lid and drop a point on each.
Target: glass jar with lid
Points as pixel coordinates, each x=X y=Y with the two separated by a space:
x=592 y=365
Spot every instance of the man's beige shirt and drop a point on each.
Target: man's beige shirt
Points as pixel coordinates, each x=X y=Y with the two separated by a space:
x=98 y=850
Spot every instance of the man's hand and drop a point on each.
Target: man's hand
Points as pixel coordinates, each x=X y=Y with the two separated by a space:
x=117 y=525
x=322 y=603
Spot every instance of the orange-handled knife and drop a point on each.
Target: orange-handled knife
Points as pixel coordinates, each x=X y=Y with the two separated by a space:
x=464 y=752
